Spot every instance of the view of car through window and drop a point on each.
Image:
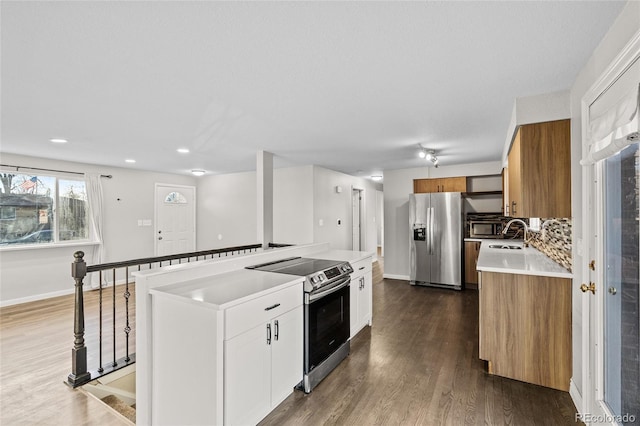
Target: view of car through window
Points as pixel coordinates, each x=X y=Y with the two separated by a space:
x=37 y=209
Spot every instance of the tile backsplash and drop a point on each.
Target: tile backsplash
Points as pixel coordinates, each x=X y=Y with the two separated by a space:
x=555 y=241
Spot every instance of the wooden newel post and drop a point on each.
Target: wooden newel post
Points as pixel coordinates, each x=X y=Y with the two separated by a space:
x=79 y=374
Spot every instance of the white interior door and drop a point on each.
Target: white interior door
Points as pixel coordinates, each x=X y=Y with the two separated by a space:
x=175 y=230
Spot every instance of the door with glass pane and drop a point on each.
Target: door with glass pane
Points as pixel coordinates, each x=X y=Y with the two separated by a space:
x=620 y=378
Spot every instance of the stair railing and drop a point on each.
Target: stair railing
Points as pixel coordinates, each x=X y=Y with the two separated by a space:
x=80 y=375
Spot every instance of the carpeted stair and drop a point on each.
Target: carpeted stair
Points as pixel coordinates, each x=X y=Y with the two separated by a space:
x=121 y=407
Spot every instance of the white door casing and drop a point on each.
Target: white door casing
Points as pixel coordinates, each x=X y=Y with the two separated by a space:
x=357 y=203
x=175 y=219
x=594 y=409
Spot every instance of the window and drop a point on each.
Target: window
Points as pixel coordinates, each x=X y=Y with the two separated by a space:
x=36 y=209
x=175 y=198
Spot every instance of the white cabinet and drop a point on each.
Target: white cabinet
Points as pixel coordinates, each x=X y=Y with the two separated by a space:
x=264 y=363
x=227 y=349
x=361 y=295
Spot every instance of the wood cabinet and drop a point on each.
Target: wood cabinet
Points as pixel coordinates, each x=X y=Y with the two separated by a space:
x=539 y=171
x=452 y=184
x=525 y=327
x=262 y=366
x=471 y=252
x=361 y=292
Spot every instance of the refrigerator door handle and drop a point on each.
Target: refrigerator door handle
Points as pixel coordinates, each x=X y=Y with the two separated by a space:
x=428 y=230
x=431 y=224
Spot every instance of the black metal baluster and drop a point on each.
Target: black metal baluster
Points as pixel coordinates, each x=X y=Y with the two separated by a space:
x=114 y=318
x=100 y=369
x=127 y=328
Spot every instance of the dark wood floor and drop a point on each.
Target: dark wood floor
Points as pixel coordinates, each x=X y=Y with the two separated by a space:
x=419 y=365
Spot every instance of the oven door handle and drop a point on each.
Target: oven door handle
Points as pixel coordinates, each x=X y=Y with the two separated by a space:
x=339 y=285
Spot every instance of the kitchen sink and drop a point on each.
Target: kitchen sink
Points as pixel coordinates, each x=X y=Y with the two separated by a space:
x=505 y=247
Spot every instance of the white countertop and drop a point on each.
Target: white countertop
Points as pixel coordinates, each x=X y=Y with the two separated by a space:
x=344 y=255
x=527 y=261
x=224 y=290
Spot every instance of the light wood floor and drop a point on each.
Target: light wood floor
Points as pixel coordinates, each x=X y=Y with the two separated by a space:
x=35 y=359
x=418 y=365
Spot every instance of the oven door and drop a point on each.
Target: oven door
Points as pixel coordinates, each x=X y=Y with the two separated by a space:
x=327 y=322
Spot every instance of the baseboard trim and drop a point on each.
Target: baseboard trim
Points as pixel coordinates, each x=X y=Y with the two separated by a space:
x=36 y=297
x=576 y=396
x=396 y=277
x=43 y=296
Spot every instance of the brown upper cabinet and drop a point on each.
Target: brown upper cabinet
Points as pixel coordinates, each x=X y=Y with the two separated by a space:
x=452 y=184
x=539 y=171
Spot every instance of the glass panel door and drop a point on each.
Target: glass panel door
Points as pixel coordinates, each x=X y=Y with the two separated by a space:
x=621 y=286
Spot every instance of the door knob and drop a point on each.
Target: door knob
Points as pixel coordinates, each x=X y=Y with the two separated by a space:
x=591 y=287
x=159 y=238
x=612 y=291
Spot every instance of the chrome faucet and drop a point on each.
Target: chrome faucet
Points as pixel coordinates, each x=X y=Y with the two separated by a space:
x=526 y=229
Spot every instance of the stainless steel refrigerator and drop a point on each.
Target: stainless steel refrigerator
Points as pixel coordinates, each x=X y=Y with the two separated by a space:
x=436 y=239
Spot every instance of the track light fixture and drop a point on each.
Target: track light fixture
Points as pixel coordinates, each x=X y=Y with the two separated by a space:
x=428 y=154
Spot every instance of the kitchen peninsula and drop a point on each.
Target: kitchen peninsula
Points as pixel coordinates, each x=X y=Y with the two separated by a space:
x=525 y=314
x=202 y=329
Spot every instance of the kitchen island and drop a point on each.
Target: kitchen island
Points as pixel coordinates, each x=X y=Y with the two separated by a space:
x=201 y=356
x=524 y=314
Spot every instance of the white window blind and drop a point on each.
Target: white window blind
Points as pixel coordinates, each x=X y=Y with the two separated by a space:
x=614 y=117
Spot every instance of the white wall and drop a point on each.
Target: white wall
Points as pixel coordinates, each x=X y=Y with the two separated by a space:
x=33 y=273
x=293 y=205
x=301 y=196
x=227 y=208
x=398 y=184
x=330 y=206
x=626 y=25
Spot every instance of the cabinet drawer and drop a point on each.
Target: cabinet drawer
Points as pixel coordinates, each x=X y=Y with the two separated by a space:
x=361 y=267
x=245 y=316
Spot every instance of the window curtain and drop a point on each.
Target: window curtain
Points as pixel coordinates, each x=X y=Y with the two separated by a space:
x=614 y=117
x=96 y=208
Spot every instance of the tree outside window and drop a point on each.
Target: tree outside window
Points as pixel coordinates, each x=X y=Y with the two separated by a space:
x=36 y=209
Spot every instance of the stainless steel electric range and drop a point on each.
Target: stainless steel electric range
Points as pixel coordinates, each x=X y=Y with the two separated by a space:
x=326 y=312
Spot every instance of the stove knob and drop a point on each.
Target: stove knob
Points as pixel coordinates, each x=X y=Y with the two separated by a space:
x=314 y=280
x=321 y=278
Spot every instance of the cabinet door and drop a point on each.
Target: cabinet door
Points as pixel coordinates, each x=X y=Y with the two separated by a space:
x=286 y=354
x=454 y=184
x=354 y=294
x=471 y=251
x=364 y=300
x=545 y=173
x=421 y=186
x=515 y=184
x=247 y=377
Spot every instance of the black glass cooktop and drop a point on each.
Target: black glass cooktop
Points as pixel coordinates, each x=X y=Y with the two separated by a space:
x=297 y=266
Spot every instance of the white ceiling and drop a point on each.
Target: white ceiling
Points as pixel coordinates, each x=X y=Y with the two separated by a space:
x=353 y=87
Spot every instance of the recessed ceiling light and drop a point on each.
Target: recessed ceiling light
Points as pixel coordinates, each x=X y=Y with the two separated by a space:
x=58 y=140
x=130 y=160
x=198 y=172
x=376 y=178
x=183 y=150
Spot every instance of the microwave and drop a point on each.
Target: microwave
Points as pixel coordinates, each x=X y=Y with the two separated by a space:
x=485 y=229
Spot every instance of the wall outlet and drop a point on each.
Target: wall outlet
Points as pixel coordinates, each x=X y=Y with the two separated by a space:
x=146 y=222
